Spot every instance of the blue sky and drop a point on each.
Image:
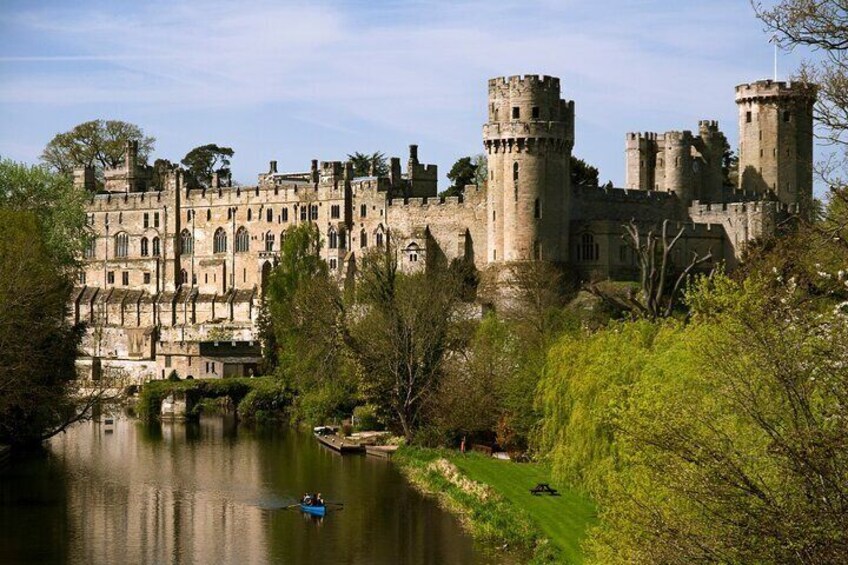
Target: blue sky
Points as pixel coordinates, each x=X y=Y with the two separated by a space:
x=293 y=81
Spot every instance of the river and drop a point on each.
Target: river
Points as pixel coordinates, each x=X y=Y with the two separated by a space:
x=214 y=492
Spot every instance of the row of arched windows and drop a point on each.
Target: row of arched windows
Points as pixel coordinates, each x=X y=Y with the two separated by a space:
x=122 y=246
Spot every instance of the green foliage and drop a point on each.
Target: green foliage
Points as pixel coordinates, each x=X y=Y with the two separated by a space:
x=366 y=418
x=58 y=205
x=462 y=173
x=256 y=398
x=97 y=143
x=582 y=173
x=173 y=376
x=364 y=164
x=37 y=342
x=325 y=401
x=204 y=160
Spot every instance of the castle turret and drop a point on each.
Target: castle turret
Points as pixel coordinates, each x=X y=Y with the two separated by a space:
x=641 y=155
x=679 y=177
x=528 y=140
x=776 y=139
x=711 y=144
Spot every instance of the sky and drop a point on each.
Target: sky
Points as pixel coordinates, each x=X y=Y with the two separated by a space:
x=295 y=81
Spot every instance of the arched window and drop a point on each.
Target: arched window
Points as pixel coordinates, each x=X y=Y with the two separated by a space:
x=269 y=241
x=242 y=240
x=122 y=244
x=588 y=248
x=412 y=252
x=183 y=277
x=219 y=241
x=91 y=249
x=249 y=215
x=363 y=239
x=156 y=250
x=333 y=239
x=145 y=248
x=378 y=237
x=269 y=215
x=186 y=243
x=515 y=172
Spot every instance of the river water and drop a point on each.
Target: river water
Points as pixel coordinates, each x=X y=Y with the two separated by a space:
x=214 y=492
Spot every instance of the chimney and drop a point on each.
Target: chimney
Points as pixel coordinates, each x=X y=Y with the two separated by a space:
x=413 y=154
x=273 y=168
x=315 y=171
x=394 y=172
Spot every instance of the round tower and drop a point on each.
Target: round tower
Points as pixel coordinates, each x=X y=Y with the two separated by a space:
x=528 y=140
x=776 y=139
x=679 y=175
x=712 y=146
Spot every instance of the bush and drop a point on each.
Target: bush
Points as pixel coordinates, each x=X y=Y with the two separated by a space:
x=271 y=400
x=365 y=418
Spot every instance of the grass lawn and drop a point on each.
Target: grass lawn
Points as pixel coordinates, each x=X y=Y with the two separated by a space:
x=563 y=519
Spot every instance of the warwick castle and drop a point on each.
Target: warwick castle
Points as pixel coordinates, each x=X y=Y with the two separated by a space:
x=174 y=278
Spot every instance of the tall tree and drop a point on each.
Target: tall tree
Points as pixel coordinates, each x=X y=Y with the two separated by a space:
x=404 y=327
x=205 y=160
x=97 y=143
x=365 y=164
x=582 y=173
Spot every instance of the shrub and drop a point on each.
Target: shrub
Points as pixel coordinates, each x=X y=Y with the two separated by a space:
x=365 y=418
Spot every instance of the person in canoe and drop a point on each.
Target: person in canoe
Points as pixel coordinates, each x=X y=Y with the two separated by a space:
x=312 y=499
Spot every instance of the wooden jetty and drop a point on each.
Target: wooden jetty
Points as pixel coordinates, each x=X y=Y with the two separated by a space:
x=384 y=451
x=340 y=444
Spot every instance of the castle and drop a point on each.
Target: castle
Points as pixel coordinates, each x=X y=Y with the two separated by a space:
x=174 y=277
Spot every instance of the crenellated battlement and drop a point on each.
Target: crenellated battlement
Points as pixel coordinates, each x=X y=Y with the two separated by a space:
x=675 y=137
x=423 y=202
x=774 y=89
x=623 y=194
x=503 y=85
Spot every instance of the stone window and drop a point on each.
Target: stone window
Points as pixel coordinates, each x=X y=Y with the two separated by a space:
x=303 y=213
x=333 y=239
x=269 y=215
x=363 y=210
x=146 y=220
x=229 y=213
x=537 y=209
x=494 y=215
x=335 y=212
x=242 y=240
x=379 y=239
x=122 y=244
x=183 y=277
x=188 y=216
x=515 y=173
x=516 y=112
x=285 y=214
x=208 y=215
x=748 y=117
x=269 y=241
x=156 y=219
x=146 y=278
x=145 y=247
x=249 y=214
x=120 y=217
x=110 y=277
x=535 y=112
x=412 y=252
x=186 y=243
x=495 y=254
x=156 y=248
x=363 y=239
x=125 y=278
x=334 y=264
x=82 y=277
x=219 y=241
x=91 y=249
x=589 y=250
x=313 y=212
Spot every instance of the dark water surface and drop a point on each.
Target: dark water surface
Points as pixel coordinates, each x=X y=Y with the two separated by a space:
x=214 y=492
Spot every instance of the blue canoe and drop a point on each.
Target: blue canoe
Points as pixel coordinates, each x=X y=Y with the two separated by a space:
x=314 y=510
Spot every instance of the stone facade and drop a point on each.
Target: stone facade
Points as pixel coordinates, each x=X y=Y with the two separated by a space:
x=174 y=277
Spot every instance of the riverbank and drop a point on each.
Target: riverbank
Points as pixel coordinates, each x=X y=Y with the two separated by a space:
x=493 y=501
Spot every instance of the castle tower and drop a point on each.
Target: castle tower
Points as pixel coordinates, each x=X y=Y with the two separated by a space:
x=711 y=144
x=528 y=140
x=641 y=158
x=776 y=139
x=678 y=171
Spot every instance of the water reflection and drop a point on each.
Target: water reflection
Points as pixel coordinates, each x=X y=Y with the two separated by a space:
x=214 y=492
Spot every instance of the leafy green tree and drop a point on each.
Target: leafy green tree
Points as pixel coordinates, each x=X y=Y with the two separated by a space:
x=97 y=143
x=37 y=342
x=364 y=165
x=582 y=173
x=58 y=205
x=201 y=162
x=404 y=328
x=463 y=172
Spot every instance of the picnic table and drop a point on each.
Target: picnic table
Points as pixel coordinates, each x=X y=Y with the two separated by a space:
x=541 y=488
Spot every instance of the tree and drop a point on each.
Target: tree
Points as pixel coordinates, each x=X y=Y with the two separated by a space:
x=98 y=143
x=582 y=173
x=729 y=168
x=657 y=295
x=365 y=165
x=403 y=327
x=205 y=160
x=57 y=203
x=463 y=172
